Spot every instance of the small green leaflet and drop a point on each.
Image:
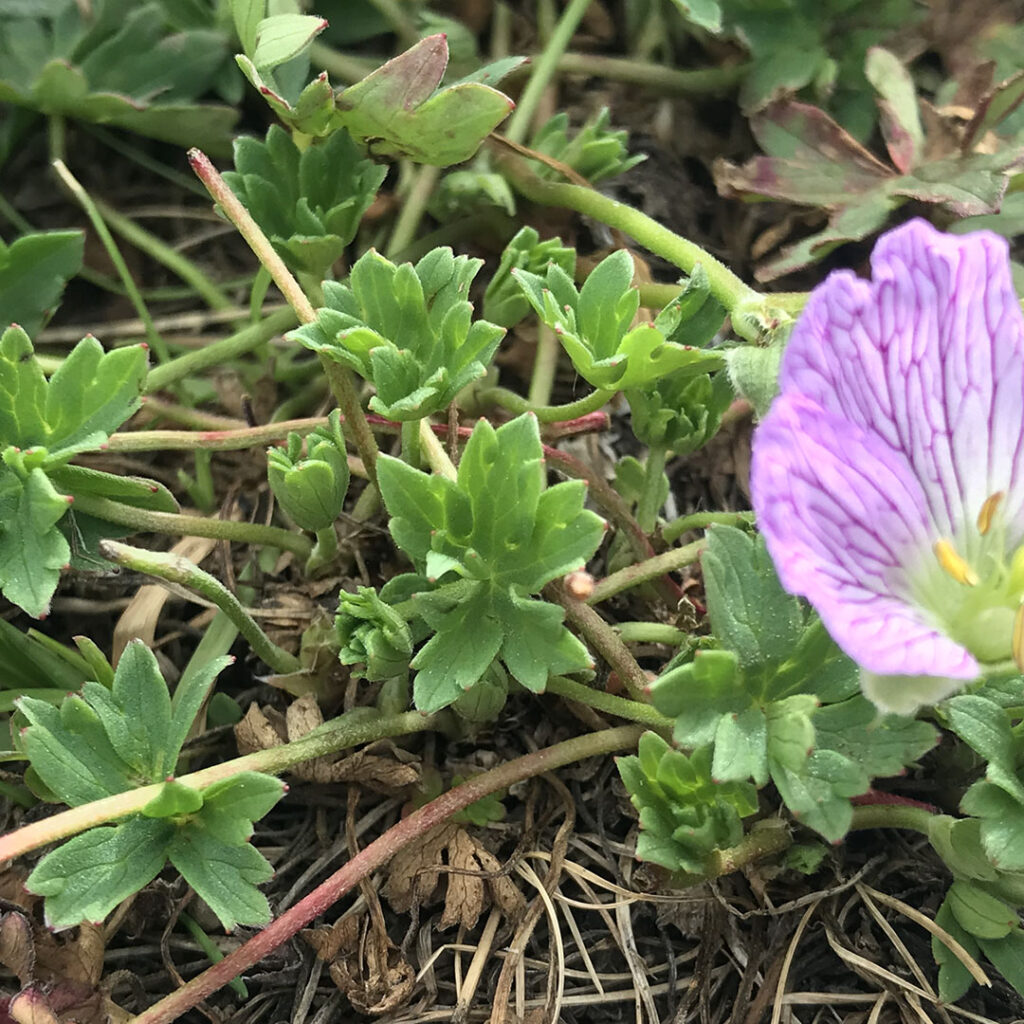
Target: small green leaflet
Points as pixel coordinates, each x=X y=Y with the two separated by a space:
x=398 y=110
x=408 y=329
x=490 y=540
x=594 y=324
x=308 y=203
x=43 y=424
x=33 y=272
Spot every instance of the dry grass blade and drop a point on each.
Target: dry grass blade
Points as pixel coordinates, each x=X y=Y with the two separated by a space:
x=780 y=988
x=900 y=946
x=865 y=967
x=476 y=967
x=937 y=930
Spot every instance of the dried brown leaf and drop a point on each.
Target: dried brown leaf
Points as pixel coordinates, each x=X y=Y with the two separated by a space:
x=331 y=941
x=464 y=900
x=382 y=774
x=17 y=950
x=259 y=730
x=504 y=892
x=414 y=871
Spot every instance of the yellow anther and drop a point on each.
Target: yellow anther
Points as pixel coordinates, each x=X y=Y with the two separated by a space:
x=954 y=564
x=1017 y=640
x=988 y=511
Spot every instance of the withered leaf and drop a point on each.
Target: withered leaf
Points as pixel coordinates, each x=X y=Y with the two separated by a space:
x=504 y=892
x=259 y=730
x=464 y=900
x=413 y=873
x=811 y=160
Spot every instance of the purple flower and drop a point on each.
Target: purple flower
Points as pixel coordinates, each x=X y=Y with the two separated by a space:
x=888 y=476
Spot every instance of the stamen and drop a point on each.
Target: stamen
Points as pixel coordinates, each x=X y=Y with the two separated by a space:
x=954 y=564
x=1017 y=640
x=988 y=511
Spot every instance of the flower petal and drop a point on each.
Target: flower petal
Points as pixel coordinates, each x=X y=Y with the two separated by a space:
x=846 y=523
x=929 y=355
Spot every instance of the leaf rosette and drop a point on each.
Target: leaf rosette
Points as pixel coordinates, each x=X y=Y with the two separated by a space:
x=596 y=324
x=490 y=540
x=407 y=329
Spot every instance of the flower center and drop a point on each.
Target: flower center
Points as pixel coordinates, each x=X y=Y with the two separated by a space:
x=984 y=609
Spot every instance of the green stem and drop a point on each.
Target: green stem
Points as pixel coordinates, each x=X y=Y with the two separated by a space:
x=174 y=568
x=544 y=68
x=411 y=443
x=545 y=365
x=347 y=731
x=700 y=82
x=211 y=440
x=84 y=200
x=378 y=853
x=325 y=550
x=160 y=251
x=650 y=502
x=746 y=306
x=603 y=639
x=702 y=520
x=766 y=839
x=343 y=387
x=545 y=413
x=252 y=233
x=213 y=953
x=174 y=525
x=651 y=633
x=906 y=816
x=631 y=710
x=433 y=451
x=341 y=66
x=219 y=352
x=645 y=572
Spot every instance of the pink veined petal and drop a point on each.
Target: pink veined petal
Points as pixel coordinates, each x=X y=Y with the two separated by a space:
x=845 y=520
x=928 y=355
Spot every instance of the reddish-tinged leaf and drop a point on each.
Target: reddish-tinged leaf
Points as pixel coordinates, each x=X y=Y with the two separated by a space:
x=994 y=107
x=897 y=103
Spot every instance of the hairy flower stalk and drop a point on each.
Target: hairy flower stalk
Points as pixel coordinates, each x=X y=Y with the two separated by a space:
x=888 y=476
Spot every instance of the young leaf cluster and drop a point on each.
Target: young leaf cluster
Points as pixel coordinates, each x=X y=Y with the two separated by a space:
x=488 y=541
x=596 y=152
x=595 y=325
x=106 y=741
x=685 y=814
x=406 y=329
x=309 y=203
x=398 y=110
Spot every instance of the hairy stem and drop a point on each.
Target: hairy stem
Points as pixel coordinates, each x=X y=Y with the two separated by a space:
x=178 y=570
x=546 y=413
x=219 y=352
x=702 y=520
x=378 y=853
x=747 y=306
x=600 y=700
x=643 y=572
x=887 y=815
x=347 y=731
x=603 y=639
x=650 y=497
x=340 y=378
x=174 y=525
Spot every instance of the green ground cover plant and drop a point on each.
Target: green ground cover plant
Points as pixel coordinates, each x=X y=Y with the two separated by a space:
x=838 y=652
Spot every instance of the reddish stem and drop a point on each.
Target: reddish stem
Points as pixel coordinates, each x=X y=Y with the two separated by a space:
x=407 y=830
